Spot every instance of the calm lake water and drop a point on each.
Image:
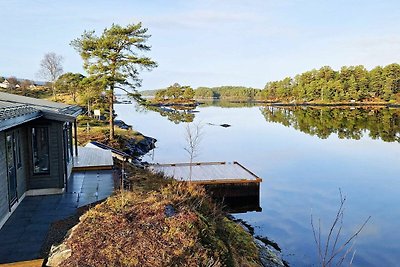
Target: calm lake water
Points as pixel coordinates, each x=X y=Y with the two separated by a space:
x=304 y=156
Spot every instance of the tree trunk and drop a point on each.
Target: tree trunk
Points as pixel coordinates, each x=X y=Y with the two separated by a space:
x=111 y=112
x=53 y=88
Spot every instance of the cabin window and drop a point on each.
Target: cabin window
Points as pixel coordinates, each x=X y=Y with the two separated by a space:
x=40 y=150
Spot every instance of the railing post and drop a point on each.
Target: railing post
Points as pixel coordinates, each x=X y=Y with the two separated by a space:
x=76 y=138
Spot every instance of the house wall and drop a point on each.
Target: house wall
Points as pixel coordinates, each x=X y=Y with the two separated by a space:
x=70 y=164
x=26 y=180
x=3 y=178
x=23 y=170
x=55 y=179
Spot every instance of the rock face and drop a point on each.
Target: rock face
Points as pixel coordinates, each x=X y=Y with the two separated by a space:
x=60 y=252
x=140 y=148
x=122 y=125
x=269 y=251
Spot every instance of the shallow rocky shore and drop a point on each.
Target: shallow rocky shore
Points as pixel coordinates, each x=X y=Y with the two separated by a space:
x=141 y=148
x=269 y=251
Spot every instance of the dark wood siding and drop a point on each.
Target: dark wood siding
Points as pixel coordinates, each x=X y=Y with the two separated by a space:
x=55 y=178
x=3 y=178
x=23 y=170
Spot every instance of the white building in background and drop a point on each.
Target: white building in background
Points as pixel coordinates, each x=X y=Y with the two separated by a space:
x=5 y=84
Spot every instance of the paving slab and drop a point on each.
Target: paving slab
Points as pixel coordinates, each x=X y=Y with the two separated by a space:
x=23 y=234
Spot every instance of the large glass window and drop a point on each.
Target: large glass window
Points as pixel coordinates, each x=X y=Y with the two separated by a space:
x=40 y=149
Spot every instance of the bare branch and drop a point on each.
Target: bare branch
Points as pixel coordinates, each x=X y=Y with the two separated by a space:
x=331 y=255
x=350 y=239
x=340 y=211
x=193 y=134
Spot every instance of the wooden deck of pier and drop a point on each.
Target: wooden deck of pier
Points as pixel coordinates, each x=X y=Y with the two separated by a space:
x=32 y=263
x=114 y=152
x=93 y=159
x=207 y=173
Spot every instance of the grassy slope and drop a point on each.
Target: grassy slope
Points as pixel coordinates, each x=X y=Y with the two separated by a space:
x=132 y=229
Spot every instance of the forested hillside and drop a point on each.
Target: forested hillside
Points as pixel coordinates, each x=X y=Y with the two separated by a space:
x=327 y=85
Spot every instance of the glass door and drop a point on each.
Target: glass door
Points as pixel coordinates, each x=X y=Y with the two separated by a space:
x=11 y=168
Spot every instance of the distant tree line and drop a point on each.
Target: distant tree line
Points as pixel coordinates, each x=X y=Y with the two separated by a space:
x=327 y=85
x=346 y=123
x=228 y=92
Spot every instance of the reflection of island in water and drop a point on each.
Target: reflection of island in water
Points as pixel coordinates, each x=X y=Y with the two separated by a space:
x=180 y=113
x=227 y=104
x=350 y=123
x=176 y=114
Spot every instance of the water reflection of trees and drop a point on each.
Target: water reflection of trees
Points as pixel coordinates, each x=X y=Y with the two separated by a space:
x=383 y=123
x=174 y=114
x=227 y=104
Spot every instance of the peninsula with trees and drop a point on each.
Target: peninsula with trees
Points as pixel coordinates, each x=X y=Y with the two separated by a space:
x=349 y=85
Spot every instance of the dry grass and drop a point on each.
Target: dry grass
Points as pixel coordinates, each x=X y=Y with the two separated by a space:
x=132 y=229
x=100 y=134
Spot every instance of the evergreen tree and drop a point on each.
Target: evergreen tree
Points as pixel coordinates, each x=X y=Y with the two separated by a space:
x=113 y=57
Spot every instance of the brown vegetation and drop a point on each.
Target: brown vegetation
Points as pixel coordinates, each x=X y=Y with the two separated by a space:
x=134 y=229
x=100 y=131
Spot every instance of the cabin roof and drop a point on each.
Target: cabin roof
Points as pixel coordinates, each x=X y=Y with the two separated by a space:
x=15 y=110
x=208 y=172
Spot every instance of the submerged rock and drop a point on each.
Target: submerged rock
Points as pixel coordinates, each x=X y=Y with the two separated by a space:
x=225 y=125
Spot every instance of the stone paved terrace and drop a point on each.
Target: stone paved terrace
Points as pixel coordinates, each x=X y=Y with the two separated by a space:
x=22 y=236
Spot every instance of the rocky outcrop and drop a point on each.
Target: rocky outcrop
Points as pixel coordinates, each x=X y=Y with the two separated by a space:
x=269 y=251
x=269 y=257
x=141 y=148
x=60 y=252
x=122 y=125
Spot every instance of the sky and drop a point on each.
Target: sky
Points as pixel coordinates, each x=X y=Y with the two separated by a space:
x=208 y=42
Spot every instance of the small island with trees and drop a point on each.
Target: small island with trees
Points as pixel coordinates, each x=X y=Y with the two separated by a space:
x=174 y=95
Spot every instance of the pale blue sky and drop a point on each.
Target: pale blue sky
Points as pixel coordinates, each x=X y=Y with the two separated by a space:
x=209 y=42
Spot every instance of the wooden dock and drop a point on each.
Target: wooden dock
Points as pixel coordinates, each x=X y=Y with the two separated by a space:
x=208 y=172
x=229 y=183
x=93 y=159
x=114 y=152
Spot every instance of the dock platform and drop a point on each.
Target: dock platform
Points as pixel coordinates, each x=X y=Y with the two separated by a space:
x=93 y=159
x=230 y=183
x=208 y=172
